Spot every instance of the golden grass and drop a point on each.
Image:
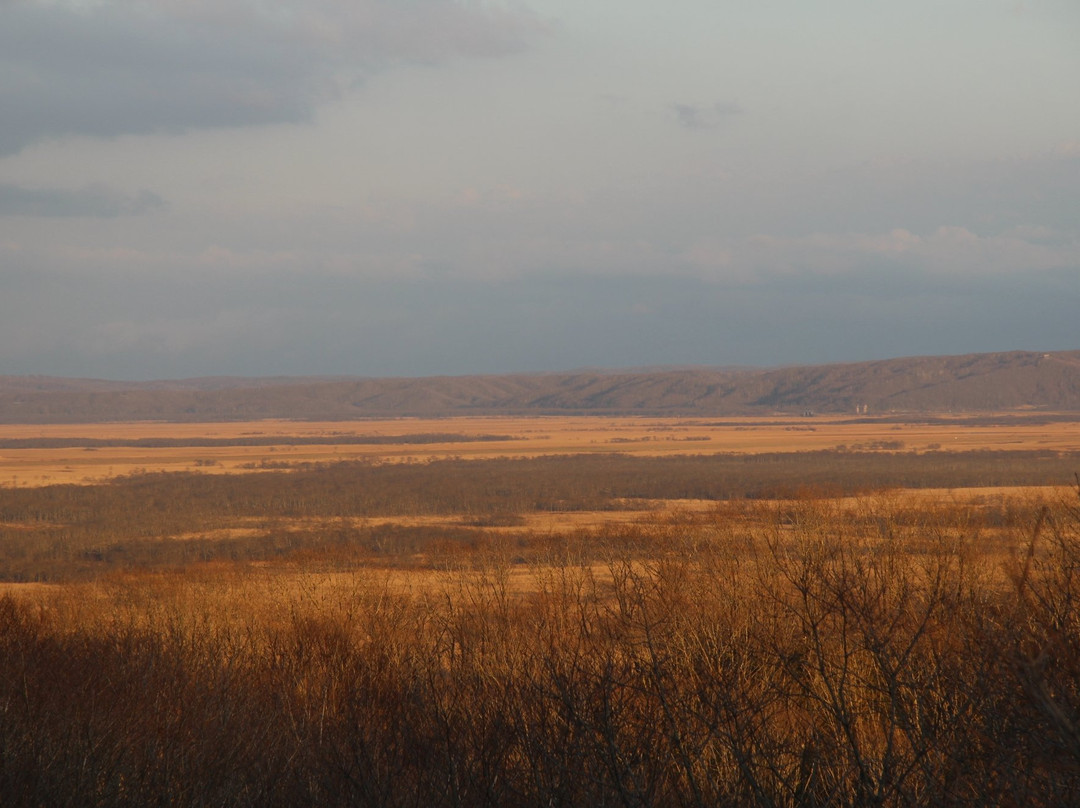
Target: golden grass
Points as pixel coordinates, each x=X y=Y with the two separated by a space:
x=250 y=588
x=639 y=513
x=530 y=437
x=273 y=647
x=895 y=648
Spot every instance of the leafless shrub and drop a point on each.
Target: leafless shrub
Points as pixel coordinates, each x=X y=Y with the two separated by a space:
x=798 y=653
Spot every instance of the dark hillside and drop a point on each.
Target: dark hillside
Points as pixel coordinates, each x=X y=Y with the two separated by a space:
x=1016 y=380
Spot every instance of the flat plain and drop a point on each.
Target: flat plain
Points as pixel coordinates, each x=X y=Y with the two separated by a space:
x=32 y=455
x=834 y=610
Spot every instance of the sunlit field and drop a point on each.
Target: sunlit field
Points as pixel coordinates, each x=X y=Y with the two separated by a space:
x=77 y=453
x=541 y=612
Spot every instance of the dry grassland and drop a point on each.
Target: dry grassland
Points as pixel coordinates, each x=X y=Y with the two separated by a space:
x=512 y=556
x=636 y=611
x=541 y=632
x=650 y=514
x=477 y=438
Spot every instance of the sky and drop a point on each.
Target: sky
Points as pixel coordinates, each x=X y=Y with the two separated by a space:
x=443 y=187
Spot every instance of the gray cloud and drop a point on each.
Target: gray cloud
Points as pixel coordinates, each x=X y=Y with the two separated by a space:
x=124 y=67
x=694 y=116
x=131 y=324
x=99 y=201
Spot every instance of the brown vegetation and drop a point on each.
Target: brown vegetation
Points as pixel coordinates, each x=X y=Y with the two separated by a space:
x=801 y=632
x=797 y=653
x=82 y=530
x=48 y=454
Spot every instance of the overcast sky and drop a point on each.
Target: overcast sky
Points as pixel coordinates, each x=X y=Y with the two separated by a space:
x=415 y=187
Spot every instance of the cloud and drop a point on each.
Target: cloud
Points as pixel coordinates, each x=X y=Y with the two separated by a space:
x=119 y=67
x=950 y=253
x=693 y=116
x=133 y=324
x=193 y=333
x=98 y=201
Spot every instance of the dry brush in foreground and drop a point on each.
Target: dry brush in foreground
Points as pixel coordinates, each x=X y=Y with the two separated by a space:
x=814 y=655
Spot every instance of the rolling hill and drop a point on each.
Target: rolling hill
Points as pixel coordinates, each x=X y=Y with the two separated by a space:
x=1013 y=381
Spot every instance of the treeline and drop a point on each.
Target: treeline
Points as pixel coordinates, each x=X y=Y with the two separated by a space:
x=47 y=533
x=804 y=661
x=570 y=482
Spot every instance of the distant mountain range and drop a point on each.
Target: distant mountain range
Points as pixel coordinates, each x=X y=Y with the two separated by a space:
x=1013 y=381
